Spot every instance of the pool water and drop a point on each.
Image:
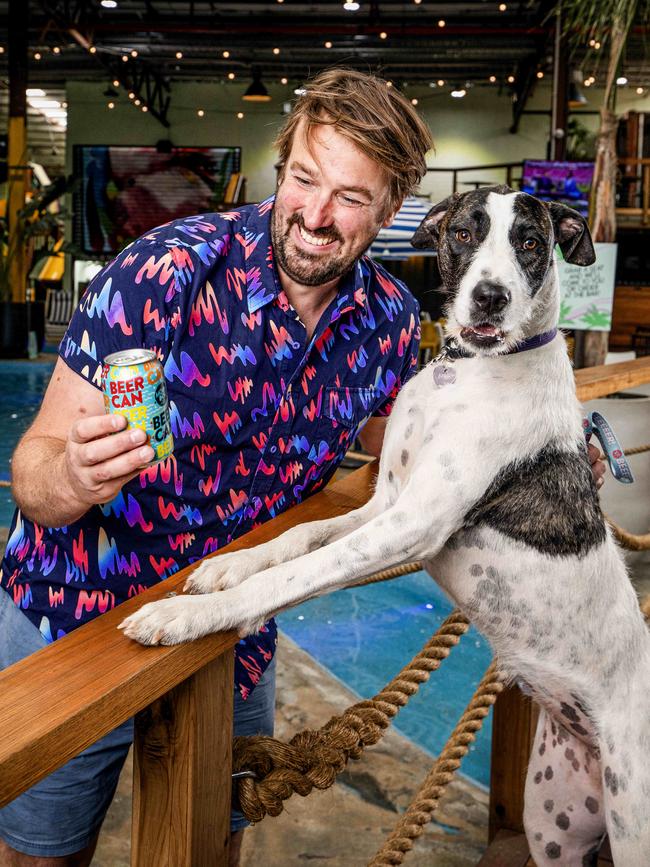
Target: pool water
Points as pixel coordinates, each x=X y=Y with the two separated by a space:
x=363 y=636
x=22 y=385
x=366 y=635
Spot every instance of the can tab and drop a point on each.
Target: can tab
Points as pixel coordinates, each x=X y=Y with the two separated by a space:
x=596 y=423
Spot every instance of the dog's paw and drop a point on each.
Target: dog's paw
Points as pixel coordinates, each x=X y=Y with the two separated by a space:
x=222 y=573
x=169 y=621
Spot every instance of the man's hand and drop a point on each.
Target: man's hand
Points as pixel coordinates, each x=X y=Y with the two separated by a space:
x=597 y=465
x=101 y=456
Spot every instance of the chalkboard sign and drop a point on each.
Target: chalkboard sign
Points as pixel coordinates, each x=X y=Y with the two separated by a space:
x=587 y=294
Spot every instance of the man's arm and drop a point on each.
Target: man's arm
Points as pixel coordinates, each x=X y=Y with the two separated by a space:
x=74 y=455
x=372 y=434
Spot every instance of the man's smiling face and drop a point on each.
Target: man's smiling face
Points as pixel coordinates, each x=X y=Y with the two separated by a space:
x=329 y=207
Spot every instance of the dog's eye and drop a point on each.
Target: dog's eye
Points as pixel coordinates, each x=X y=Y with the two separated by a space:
x=463 y=236
x=529 y=244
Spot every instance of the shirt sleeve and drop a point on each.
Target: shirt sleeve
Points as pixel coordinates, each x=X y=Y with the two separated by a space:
x=127 y=305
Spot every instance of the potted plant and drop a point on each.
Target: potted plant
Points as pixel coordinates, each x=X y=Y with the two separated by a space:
x=39 y=226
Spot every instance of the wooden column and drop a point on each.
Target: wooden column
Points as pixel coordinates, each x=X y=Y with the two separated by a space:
x=560 y=105
x=18 y=175
x=513 y=729
x=182 y=773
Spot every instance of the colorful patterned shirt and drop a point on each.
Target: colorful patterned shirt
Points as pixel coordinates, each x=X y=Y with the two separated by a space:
x=261 y=416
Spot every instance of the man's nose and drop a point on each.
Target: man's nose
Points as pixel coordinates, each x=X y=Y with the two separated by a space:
x=490 y=297
x=317 y=211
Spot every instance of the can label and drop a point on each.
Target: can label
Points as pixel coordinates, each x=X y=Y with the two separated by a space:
x=133 y=384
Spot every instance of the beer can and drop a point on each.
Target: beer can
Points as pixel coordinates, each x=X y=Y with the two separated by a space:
x=133 y=383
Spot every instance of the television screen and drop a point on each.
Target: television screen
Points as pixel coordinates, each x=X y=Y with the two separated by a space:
x=126 y=191
x=555 y=181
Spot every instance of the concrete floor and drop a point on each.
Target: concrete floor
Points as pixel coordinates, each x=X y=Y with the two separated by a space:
x=346 y=824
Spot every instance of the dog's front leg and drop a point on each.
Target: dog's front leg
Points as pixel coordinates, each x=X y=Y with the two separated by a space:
x=412 y=529
x=224 y=571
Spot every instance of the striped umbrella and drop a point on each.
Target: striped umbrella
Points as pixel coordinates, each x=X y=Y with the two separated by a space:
x=395 y=241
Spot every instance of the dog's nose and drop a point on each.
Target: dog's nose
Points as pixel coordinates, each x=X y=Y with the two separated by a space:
x=490 y=297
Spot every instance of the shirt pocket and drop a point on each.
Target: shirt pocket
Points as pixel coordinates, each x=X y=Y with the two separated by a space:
x=345 y=410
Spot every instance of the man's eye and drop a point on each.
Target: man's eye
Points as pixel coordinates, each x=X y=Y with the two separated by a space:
x=530 y=244
x=350 y=202
x=463 y=236
x=304 y=182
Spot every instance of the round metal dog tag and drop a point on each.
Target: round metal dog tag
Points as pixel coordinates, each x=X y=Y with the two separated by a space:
x=443 y=375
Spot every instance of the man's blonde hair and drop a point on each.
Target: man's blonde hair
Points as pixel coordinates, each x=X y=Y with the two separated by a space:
x=380 y=121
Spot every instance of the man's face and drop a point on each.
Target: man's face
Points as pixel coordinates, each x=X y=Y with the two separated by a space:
x=329 y=207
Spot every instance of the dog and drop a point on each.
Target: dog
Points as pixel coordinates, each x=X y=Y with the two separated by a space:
x=484 y=477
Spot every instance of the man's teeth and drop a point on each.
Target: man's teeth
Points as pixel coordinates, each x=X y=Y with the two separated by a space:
x=312 y=239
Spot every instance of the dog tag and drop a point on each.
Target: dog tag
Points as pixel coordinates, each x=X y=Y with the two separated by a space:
x=598 y=424
x=443 y=375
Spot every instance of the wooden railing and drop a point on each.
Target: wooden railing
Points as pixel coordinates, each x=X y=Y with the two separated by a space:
x=58 y=701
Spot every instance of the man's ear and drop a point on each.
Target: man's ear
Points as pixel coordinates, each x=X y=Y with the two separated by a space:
x=572 y=234
x=428 y=232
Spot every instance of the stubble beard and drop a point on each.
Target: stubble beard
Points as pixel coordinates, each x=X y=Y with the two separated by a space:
x=307 y=269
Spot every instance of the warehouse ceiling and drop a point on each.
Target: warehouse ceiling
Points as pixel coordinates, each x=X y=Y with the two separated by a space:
x=147 y=45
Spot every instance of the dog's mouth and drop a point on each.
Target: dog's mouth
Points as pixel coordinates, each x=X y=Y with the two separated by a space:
x=483 y=335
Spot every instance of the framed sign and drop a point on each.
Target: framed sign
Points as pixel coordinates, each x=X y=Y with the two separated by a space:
x=587 y=294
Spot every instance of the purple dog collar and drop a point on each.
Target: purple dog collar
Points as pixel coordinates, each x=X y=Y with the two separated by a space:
x=534 y=342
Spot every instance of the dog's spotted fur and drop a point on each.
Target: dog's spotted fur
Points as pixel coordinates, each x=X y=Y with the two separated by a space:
x=486 y=480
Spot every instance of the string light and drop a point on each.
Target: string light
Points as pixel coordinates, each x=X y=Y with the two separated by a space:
x=511 y=79
x=116 y=82
x=441 y=82
x=125 y=58
x=2 y=49
x=92 y=49
x=442 y=23
x=417 y=2
x=200 y=112
x=231 y=76
x=540 y=74
x=502 y=7
x=111 y=105
x=56 y=49
x=597 y=46
x=389 y=84
x=276 y=51
x=414 y=101
x=240 y=115
x=639 y=90
x=134 y=53
x=137 y=101
x=131 y=95
x=383 y=35
x=328 y=44
x=492 y=79
x=284 y=81
x=145 y=109
x=179 y=55
x=225 y=54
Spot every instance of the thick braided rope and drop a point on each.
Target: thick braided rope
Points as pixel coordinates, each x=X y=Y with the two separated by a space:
x=315 y=758
x=419 y=813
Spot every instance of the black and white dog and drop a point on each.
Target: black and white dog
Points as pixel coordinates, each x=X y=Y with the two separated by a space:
x=484 y=477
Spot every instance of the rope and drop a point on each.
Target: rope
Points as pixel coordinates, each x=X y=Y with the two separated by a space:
x=411 y=823
x=315 y=758
x=631 y=541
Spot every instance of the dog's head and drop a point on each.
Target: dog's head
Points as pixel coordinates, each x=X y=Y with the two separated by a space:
x=495 y=254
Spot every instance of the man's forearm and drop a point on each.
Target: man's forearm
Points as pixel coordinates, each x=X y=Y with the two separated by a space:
x=40 y=483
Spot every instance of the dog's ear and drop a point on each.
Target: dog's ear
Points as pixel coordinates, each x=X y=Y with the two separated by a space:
x=572 y=234
x=428 y=232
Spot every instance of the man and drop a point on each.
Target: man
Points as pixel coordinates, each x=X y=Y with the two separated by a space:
x=280 y=342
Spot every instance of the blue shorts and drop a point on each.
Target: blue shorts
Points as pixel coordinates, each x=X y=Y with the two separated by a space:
x=63 y=813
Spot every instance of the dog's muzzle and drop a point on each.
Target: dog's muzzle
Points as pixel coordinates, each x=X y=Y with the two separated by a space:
x=489 y=301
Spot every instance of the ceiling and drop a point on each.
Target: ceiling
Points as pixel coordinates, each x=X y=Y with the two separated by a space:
x=475 y=43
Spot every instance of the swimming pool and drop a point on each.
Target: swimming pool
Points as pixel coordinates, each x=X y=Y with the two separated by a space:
x=22 y=384
x=363 y=635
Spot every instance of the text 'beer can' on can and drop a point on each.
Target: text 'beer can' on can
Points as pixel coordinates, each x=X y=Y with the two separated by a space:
x=133 y=383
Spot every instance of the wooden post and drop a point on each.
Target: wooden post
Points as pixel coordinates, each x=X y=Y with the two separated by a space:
x=18 y=174
x=513 y=729
x=182 y=773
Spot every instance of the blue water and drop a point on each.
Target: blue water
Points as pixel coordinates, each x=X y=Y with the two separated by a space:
x=22 y=384
x=364 y=636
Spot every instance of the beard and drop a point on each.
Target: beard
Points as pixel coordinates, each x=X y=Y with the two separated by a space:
x=309 y=269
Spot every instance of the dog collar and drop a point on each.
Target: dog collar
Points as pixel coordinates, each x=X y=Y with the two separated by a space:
x=533 y=342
